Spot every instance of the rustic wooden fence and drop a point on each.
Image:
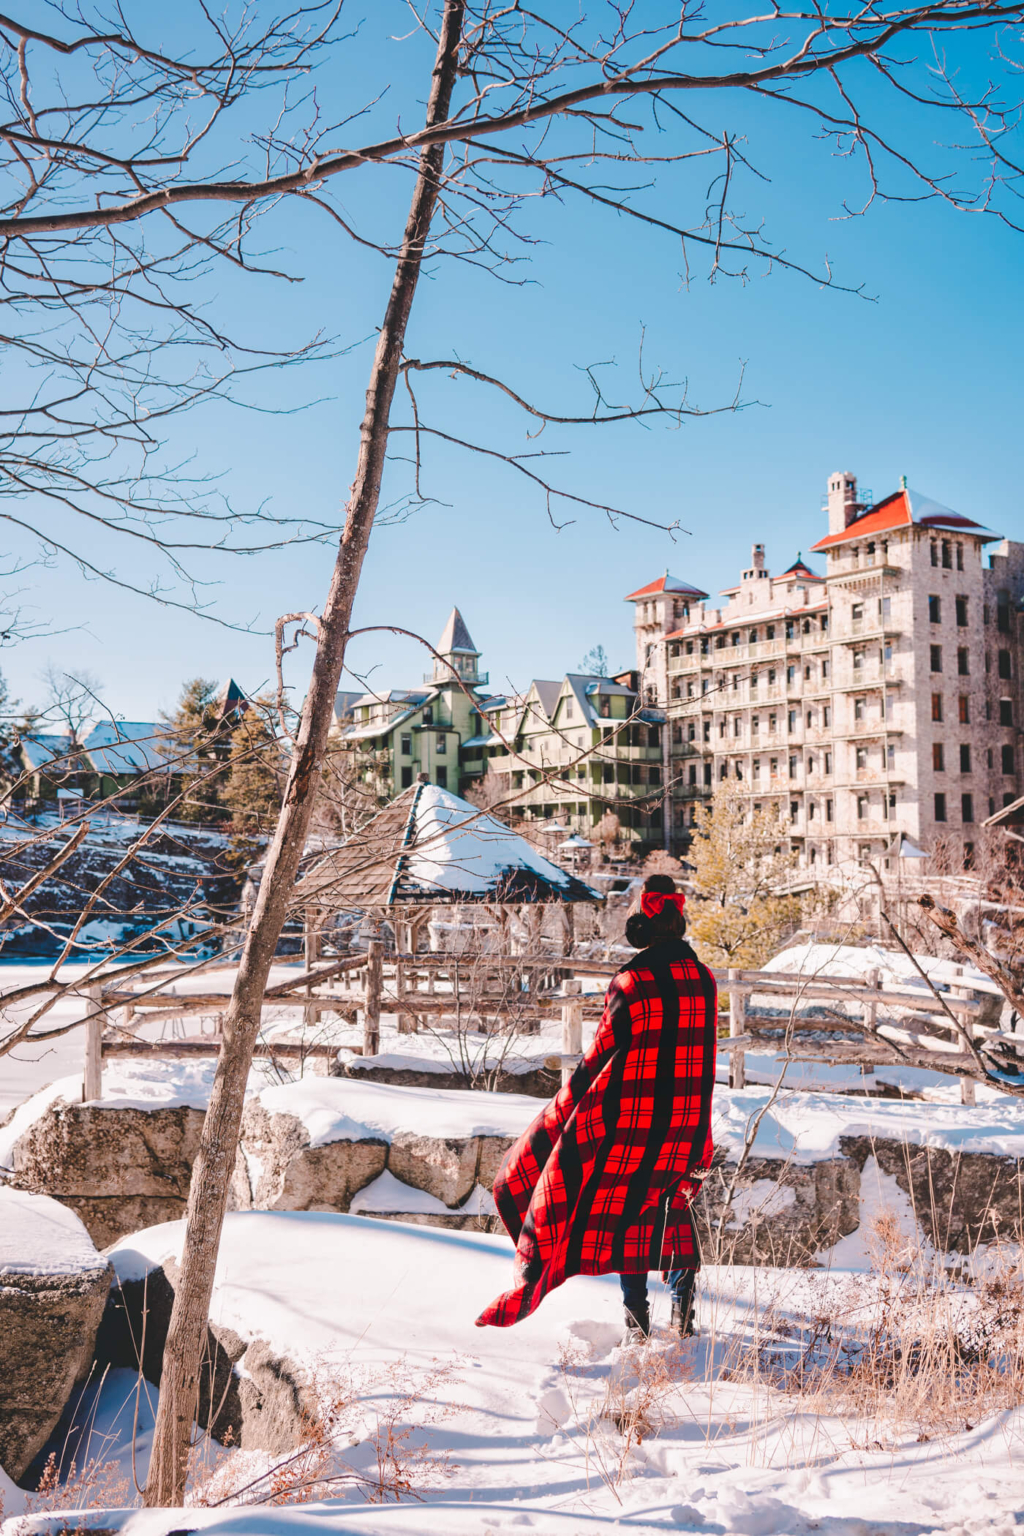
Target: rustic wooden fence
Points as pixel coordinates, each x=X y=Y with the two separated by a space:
x=854 y=1019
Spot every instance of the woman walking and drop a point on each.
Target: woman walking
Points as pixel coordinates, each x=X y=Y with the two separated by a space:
x=602 y=1181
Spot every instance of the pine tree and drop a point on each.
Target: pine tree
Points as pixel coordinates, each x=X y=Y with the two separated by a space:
x=254 y=787
x=742 y=907
x=198 y=739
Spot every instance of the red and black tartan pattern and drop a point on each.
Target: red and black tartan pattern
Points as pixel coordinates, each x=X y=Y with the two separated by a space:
x=600 y=1184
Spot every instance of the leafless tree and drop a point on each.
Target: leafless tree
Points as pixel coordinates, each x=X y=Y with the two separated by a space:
x=608 y=108
x=71 y=699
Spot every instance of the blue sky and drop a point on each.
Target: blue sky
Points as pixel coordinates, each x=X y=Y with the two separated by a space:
x=922 y=380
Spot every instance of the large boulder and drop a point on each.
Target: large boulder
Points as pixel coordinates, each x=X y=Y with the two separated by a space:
x=315 y=1145
x=775 y=1211
x=122 y=1162
x=279 y=1170
x=53 y=1286
x=961 y=1199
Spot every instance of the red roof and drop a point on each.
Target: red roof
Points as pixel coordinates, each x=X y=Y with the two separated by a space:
x=903 y=509
x=665 y=583
x=802 y=569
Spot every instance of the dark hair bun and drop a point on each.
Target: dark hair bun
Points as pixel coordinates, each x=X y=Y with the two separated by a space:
x=639 y=930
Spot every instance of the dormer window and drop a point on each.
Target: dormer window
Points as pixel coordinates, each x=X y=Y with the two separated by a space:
x=568 y=709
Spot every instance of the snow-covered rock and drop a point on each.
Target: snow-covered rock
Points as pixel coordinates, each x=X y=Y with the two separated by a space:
x=121 y=1163
x=53 y=1285
x=314 y=1144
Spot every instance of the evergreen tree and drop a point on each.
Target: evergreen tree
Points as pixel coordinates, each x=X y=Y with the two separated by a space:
x=254 y=786
x=10 y=766
x=197 y=740
x=742 y=907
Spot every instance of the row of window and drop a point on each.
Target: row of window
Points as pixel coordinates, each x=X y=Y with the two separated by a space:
x=964 y=709
x=791 y=628
x=943 y=553
x=1004 y=665
x=1007 y=758
x=935 y=610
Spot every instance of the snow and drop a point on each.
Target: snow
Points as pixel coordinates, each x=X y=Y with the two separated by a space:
x=808 y=1127
x=338 y=1109
x=387 y=1193
x=731 y=1459
x=449 y=854
x=896 y=970
x=39 y=1236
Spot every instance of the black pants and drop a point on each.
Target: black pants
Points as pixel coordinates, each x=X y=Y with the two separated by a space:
x=634 y=1289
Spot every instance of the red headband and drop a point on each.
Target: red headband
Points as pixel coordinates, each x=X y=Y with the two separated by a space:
x=651 y=902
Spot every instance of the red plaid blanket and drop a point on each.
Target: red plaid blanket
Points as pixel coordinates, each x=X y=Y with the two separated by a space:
x=602 y=1181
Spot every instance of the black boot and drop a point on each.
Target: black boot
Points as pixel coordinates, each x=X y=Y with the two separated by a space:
x=681 y=1321
x=638 y=1325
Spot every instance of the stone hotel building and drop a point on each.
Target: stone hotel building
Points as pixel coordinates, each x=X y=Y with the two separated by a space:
x=878 y=696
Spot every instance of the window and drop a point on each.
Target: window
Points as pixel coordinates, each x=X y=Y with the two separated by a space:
x=1003 y=617
x=810 y=764
x=824 y=669
x=826 y=715
x=568 y=702
x=1005 y=711
x=735 y=637
x=989 y=760
x=707 y=730
x=794 y=810
x=1004 y=664
x=721 y=730
x=1006 y=752
x=442 y=744
x=828 y=764
x=737 y=726
x=753 y=682
x=791 y=721
x=756 y=768
x=884 y=608
x=773 y=767
x=961 y=612
x=858 y=661
x=791 y=674
x=723 y=770
x=807 y=671
x=442 y=776
x=966 y=807
x=769 y=633
x=428 y=715
x=965 y=757
x=968 y=855
x=934 y=609
x=719 y=642
x=824 y=623
x=859 y=708
x=936 y=706
x=936 y=654
x=753 y=637
x=689 y=647
x=809 y=721
x=947 y=555
x=959 y=557
x=962 y=661
x=406 y=746
x=862 y=807
x=890 y=757
x=935 y=553
x=940 y=807
x=407 y=776
x=857 y=612
x=862 y=757
x=755 y=725
x=790 y=629
x=772 y=722
x=735 y=682
x=938 y=757
x=964 y=708
x=655 y=774
x=792 y=767
x=828 y=810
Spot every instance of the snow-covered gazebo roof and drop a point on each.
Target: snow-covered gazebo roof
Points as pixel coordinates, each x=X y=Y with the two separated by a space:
x=429 y=847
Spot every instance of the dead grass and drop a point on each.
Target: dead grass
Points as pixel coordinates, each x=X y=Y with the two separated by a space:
x=382 y=1413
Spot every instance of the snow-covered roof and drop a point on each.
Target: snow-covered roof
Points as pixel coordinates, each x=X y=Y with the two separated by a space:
x=125 y=746
x=40 y=749
x=665 y=583
x=905 y=508
x=430 y=846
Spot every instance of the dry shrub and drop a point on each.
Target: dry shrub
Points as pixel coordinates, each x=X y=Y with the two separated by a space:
x=97 y=1485
x=920 y=1348
x=384 y=1408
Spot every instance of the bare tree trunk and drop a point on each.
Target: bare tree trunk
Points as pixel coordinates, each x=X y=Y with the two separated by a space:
x=211 y=1175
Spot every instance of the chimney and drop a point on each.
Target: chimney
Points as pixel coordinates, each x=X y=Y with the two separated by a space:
x=842 y=500
x=757 y=557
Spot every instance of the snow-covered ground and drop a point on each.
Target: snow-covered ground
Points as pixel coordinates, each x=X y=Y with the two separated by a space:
x=391 y=1308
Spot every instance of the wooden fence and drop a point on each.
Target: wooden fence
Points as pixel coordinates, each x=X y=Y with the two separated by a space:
x=852 y=1022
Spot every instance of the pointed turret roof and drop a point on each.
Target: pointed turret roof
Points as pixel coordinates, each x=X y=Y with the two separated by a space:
x=665 y=583
x=802 y=569
x=456 y=636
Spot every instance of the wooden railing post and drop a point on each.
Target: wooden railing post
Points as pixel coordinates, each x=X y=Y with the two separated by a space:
x=371 y=999
x=92 y=1077
x=737 y=1026
x=874 y=980
x=968 y=1091
x=572 y=1037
